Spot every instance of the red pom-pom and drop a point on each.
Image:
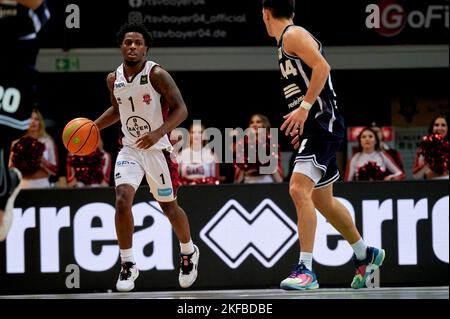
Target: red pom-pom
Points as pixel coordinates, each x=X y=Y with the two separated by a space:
x=435 y=149
x=88 y=168
x=370 y=172
x=245 y=147
x=27 y=155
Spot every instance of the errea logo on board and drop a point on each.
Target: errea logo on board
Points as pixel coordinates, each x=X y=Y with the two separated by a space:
x=266 y=233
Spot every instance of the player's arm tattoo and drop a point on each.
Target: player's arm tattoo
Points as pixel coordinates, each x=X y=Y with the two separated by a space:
x=166 y=86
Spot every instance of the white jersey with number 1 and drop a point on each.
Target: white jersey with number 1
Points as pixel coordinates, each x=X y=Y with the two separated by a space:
x=140 y=106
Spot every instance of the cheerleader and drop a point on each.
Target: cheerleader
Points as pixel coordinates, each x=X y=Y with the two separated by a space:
x=252 y=176
x=197 y=164
x=36 y=171
x=94 y=172
x=425 y=170
x=370 y=151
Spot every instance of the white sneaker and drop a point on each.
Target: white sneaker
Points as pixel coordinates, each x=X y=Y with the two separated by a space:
x=188 y=268
x=9 y=208
x=127 y=276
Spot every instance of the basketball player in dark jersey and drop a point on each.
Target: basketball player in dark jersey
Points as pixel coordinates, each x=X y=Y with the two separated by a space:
x=20 y=21
x=317 y=128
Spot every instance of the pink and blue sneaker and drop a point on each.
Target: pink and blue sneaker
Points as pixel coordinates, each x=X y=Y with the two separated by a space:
x=301 y=278
x=365 y=268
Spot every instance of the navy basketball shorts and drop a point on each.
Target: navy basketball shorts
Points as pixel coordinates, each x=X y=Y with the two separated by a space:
x=317 y=159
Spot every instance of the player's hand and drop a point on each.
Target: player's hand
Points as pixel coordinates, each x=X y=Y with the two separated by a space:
x=41 y=161
x=148 y=140
x=296 y=142
x=252 y=172
x=294 y=122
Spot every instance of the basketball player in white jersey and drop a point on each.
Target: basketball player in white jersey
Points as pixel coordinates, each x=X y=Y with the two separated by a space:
x=141 y=95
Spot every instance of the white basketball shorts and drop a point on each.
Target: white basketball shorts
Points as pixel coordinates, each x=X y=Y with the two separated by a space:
x=161 y=173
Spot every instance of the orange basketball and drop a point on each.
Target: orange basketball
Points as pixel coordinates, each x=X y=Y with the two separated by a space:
x=81 y=136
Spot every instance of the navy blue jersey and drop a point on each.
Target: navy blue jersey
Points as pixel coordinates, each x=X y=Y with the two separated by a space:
x=324 y=117
x=19 y=26
x=18 y=22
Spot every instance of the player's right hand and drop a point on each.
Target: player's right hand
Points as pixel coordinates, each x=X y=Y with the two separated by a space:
x=148 y=140
x=294 y=122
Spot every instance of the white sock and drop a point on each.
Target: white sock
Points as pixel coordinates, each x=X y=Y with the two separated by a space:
x=188 y=248
x=360 y=249
x=126 y=255
x=306 y=259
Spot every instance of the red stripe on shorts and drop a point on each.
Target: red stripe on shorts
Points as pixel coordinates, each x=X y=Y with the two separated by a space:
x=174 y=175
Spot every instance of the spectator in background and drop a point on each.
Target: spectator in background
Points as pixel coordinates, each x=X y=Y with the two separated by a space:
x=252 y=175
x=92 y=170
x=35 y=154
x=395 y=155
x=432 y=155
x=197 y=164
x=371 y=162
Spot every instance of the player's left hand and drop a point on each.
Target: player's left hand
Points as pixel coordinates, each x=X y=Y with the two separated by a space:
x=148 y=140
x=294 y=122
